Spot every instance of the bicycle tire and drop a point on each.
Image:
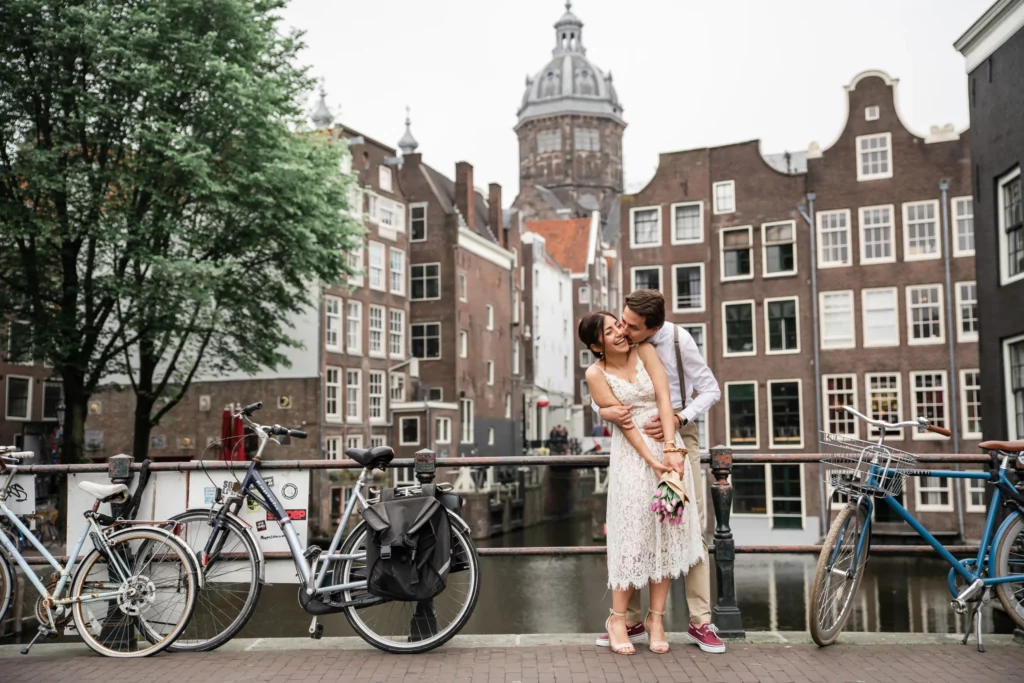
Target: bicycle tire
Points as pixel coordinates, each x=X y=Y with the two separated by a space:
x=412 y=647
x=823 y=574
x=191 y=583
x=7 y=578
x=198 y=637
x=1013 y=606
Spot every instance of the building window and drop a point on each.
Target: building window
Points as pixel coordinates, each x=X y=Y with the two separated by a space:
x=397 y=271
x=391 y=214
x=584 y=390
x=876 y=232
x=396 y=333
x=1010 y=209
x=837 y=320
x=376 y=393
x=508 y=406
x=418 y=222
x=384 y=178
x=435 y=394
x=549 y=141
x=970 y=403
x=19 y=398
x=332 y=448
x=741 y=414
x=924 y=315
x=645 y=227
x=1013 y=362
x=688 y=223
x=353 y=395
x=975 y=495
x=53 y=396
x=340 y=495
x=688 y=283
x=921 y=231
x=779 y=244
x=874 y=156
x=442 y=430
x=425 y=281
x=697 y=332
x=881 y=317
x=934 y=494
x=871 y=113
x=584 y=294
x=332 y=394
x=490 y=372
x=466 y=419
x=782 y=321
x=354 y=330
x=884 y=397
x=785 y=417
x=724 y=196
x=377 y=267
x=332 y=323
x=967 y=311
x=490 y=317
x=462 y=287
x=840 y=390
x=515 y=306
x=355 y=264
x=750 y=490
x=587 y=139
x=355 y=441
x=463 y=344
x=402 y=476
x=377 y=331
x=19 y=343
x=648 y=277
x=515 y=357
x=736 y=244
x=397 y=392
x=372 y=202
x=409 y=431
x=963 y=219
x=426 y=340
x=586 y=358
x=739 y=328
x=833 y=238
x=928 y=399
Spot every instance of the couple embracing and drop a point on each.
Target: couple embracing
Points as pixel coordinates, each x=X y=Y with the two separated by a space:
x=650 y=381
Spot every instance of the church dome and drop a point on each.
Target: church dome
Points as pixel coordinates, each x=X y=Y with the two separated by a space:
x=570 y=83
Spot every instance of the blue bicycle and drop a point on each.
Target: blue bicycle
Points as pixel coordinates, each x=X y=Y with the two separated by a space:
x=863 y=472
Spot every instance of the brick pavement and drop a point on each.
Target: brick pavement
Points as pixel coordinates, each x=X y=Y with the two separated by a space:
x=572 y=664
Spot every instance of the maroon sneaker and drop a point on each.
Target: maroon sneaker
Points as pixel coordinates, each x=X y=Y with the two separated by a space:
x=636 y=633
x=706 y=637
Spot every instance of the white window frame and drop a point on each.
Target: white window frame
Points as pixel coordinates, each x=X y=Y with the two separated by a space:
x=1011 y=416
x=700 y=217
x=920 y=489
x=396 y=387
x=47 y=384
x=819 y=219
x=867 y=341
x=332 y=448
x=962 y=336
x=725 y=328
x=703 y=345
x=440 y=338
x=584 y=390
x=954 y=203
x=767 y=327
x=769 y=497
x=941 y=339
x=826 y=345
x=355 y=349
x=634 y=269
x=675 y=288
x=508 y=406
x=825 y=394
x=771 y=417
x=396 y=275
x=915 y=411
x=586 y=358
x=10 y=339
x=714 y=197
x=871 y=113
x=7 y=399
x=722 y=251
x=425 y=278
x=401 y=431
x=353 y=441
x=632 y=227
x=974 y=486
x=382 y=286
x=380 y=351
x=861 y=176
x=396 y=340
x=861 y=228
x=937 y=254
x=765 y=246
x=1004 y=245
x=356 y=417
x=382 y=395
x=962 y=388
x=356 y=259
x=515 y=357
x=418 y=205
x=584 y=294
x=467 y=409
x=490 y=318
x=442 y=430
x=889 y=435
x=385 y=178
x=463 y=344
x=757 y=417
x=490 y=373
x=463 y=289
x=337 y=327
x=339 y=395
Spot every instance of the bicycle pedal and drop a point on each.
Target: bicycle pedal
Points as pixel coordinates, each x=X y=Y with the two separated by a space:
x=318 y=632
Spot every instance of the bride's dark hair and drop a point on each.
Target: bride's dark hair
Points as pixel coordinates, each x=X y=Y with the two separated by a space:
x=591 y=331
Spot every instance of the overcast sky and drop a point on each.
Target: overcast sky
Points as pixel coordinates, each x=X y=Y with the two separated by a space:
x=689 y=73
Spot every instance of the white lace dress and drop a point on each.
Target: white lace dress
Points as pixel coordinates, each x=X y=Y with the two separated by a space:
x=640 y=548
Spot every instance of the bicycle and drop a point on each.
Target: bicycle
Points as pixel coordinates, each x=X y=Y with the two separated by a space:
x=330 y=581
x=870 y=471
x=112 y=596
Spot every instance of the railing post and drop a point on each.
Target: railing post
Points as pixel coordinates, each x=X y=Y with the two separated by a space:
x=726 y=613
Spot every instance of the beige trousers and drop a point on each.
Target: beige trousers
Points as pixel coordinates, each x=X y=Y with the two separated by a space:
x=698 y=579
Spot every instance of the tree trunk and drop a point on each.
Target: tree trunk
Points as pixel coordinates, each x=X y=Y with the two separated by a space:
x=143 y=426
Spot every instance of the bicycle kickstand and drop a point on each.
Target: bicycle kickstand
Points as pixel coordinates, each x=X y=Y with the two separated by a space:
x=974 y=619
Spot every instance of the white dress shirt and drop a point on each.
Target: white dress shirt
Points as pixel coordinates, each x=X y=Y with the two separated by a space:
x=696 y=373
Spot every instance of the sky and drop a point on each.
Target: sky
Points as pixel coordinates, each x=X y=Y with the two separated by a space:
x=689 y=73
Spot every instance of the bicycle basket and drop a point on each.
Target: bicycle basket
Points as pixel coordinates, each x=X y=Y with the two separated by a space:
x=860 y=467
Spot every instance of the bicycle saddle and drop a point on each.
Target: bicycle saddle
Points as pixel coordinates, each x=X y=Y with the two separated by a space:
x=1007 y=446
x=106 y=493
x=377 y=457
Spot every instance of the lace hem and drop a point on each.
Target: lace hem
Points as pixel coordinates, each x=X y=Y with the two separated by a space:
x=642 y=582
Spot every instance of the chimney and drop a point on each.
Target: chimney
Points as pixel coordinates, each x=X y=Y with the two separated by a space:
x=495 y=217
x=464 y=192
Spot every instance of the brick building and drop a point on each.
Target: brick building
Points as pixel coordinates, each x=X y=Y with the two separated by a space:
x=29 y=395
x=722 y=232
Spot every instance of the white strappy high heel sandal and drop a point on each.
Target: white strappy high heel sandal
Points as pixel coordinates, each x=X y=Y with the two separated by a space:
x=625 y=648
x=658 y=647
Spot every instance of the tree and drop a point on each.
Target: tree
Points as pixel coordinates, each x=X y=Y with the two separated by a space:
x=158 y=213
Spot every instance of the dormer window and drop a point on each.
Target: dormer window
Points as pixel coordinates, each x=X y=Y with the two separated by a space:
x=874 y=156
x=384 y=176
x=871 y=113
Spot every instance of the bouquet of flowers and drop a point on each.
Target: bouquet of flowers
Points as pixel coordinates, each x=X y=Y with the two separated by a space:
x=669 y=501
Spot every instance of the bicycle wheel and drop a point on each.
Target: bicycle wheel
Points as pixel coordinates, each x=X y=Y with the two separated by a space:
x=834 y=587
x=1009 y=560
x=6 y=585
x=155 y=585
x=411 y=627
x=232 y=581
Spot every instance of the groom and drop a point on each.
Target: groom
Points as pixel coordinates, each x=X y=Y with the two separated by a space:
x=643 y=320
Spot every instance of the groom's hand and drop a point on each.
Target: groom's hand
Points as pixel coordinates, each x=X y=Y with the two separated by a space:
x=620 y=416
x=653 y=429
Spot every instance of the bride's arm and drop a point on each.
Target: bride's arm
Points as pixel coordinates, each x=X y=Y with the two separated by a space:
x=664 y=399
x=602 y=395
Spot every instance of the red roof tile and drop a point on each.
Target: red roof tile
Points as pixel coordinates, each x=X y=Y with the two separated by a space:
x=566 y=240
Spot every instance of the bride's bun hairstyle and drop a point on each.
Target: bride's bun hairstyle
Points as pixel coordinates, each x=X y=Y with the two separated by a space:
x=591 y=331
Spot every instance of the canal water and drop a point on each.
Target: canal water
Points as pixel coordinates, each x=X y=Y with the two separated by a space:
x=537 y=594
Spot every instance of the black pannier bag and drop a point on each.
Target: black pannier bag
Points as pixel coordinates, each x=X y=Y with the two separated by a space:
x=408 y=555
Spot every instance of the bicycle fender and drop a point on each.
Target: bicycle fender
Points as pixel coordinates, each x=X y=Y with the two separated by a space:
x=1003 y=528
x=461 y=523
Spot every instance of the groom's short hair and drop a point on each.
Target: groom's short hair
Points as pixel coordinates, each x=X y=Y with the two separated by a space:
x=649 y=304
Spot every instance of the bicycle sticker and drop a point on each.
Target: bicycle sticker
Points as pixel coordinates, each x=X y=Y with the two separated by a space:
x=261 y=525
x=294 y=515
x=269 y=481
x=289 y=491
x=253 y=505
x=209 y=494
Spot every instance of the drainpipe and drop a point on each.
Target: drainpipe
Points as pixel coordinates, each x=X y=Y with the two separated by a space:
x=954 y=403
x=807 y=212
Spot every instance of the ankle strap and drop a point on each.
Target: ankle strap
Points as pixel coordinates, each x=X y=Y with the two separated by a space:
x=654 y=611
x=617 y=614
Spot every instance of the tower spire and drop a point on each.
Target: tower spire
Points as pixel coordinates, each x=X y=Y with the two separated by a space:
x=322 y=117
x=408 y=143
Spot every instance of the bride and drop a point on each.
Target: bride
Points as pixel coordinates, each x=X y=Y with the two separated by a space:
x=640 y=549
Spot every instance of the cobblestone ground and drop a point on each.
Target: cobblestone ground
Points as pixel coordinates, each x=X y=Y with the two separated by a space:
x=743 y=662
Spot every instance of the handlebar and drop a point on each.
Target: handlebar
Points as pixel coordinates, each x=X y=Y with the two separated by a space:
x=12 y=457
x=922 y=423
x=278 y=430
x=251 y=408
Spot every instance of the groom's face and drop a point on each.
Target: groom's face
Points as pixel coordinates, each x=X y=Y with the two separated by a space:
x=634 y=327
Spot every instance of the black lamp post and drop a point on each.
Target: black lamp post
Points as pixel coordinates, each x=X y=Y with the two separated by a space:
x=61 y=411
